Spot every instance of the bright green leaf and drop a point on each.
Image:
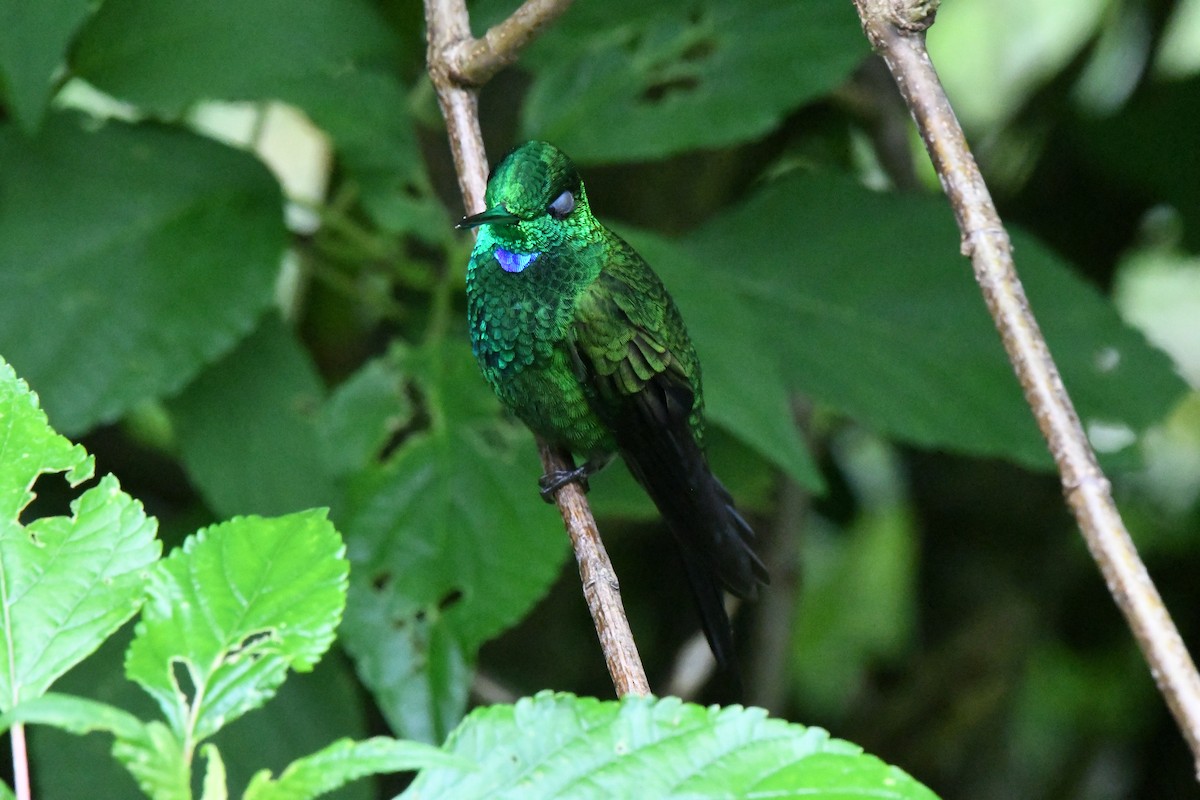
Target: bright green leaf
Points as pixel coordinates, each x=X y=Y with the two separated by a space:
x=247 y=427
x=215 y=784
x=135 y=254
x=33 y=43
x=449 y=540
x=76 y=715
x=861 y=301
x=342 y=762
x=157 y=762
x=148 y=750
x=632 y=80
x=231 y=610
x=557 y=745
x=66 y=583
x=311 y=710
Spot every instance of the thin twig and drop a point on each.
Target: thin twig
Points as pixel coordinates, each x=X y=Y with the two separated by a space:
x=896 y=29
x=449 y=31
x=473 y=62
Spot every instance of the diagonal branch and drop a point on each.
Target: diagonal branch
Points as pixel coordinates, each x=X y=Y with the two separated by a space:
x=896 y=29
x=473 y=62
x=456 y=62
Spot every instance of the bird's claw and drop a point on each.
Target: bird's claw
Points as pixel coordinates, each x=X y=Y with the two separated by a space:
x=551 y=482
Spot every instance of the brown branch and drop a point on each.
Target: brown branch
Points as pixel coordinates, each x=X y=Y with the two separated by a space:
x=896 y=29
x=448 y=30
x=473 y=62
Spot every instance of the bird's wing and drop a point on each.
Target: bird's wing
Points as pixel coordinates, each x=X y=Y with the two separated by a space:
x=639 y=371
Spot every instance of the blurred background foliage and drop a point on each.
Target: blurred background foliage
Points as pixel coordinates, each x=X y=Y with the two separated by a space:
x=227 y=264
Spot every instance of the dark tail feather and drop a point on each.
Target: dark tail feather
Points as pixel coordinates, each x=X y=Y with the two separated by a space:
x=710 y=602
x=715 y=541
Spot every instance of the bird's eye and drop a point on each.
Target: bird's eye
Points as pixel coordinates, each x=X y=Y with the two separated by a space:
x=563 y=205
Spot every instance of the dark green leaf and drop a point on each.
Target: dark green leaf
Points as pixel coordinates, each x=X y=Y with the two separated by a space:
x=247 y=427
x=632 y=80
x=557 y=745
x=134 y=256
x=335 y=59
x=33 y=43
x=449 y=540
x=1150 y=147
x=745 y=390
x=165 y=56
x=861 y=301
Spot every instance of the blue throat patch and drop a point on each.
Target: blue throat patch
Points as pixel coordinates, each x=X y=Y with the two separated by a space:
x=514 y=262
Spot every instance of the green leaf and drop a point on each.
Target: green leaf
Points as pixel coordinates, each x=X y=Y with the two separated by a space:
x=450 y=543
x=247 y=427
x=215 y=785
x=342 y=762
x=857 y=606
x=138 y=255
x=857 y=603
x=310 y=710
x=66 y=583
x=157 y=762
x=76 y=715
x=1128 y=147
x=230 y=611
x=33 y=44
x=376 y=142
x=558 y=745
x=335 y=59
x=631 y=80
x=166 y=56
x=861 y=301
x=148 y=750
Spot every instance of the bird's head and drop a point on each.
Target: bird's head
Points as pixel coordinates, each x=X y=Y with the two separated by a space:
x=535 y=203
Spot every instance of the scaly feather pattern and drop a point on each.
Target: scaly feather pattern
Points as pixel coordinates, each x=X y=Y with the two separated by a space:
x=580 y=339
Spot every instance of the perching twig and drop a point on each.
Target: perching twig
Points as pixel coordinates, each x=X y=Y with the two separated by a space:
x=457 y=62
x=896 y=29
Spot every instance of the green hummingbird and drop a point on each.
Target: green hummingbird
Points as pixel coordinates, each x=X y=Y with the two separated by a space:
x=579 y=339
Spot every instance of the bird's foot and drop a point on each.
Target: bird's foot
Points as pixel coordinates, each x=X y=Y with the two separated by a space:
x=551 y=482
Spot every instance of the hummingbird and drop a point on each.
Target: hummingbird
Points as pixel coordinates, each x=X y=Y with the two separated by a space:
x=580 y=340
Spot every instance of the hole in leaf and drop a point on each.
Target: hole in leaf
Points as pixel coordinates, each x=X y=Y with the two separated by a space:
x=699 y=51
x=183 y=680
x=249 y=643
x=450 y=599
x=418 y=420
x=659 y=90
x=380 y=580
x=411 y=190
x=52 y=497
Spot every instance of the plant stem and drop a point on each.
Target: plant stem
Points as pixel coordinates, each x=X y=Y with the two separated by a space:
x=896 y=29
x=20 y=762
